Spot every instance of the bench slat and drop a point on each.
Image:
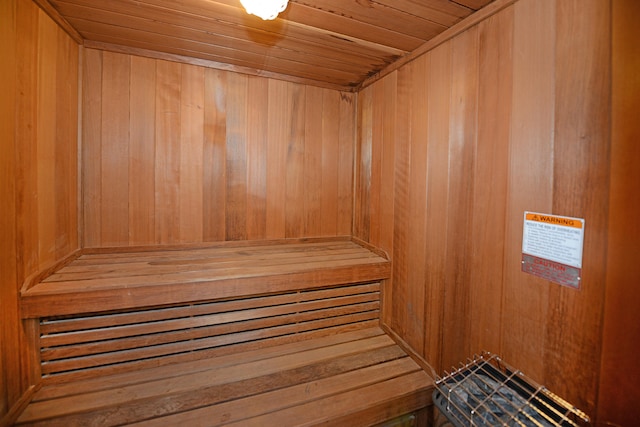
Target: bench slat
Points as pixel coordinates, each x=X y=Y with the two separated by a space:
x=193 y=381
x=209 y=266
x=105 y=382
x=94 y=342
x=171 y=276
x=203 y=320
x=133 y=355
x=381 y=401
x=128 y=279
x=246 y=388
x=291 y=395
x=49 y=326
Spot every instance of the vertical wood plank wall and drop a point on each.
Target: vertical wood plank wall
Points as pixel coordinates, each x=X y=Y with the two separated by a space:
x=619 y=393
x=510 y=115
x=38 y=167
x=176 y=153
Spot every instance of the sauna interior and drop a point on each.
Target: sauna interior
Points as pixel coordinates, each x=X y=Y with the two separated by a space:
x=431 y=156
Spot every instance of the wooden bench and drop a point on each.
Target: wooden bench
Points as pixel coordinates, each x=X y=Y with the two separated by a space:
x=269 y=333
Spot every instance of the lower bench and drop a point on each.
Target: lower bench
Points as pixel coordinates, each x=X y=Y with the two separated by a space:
x=278 y=334
x=350 y=379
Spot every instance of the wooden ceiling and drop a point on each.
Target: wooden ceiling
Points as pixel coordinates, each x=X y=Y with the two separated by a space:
x=330 y=43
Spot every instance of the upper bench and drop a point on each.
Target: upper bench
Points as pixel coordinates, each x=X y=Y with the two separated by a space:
x=108 y=279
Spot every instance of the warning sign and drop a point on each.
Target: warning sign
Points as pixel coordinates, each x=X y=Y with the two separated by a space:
x=552 y=247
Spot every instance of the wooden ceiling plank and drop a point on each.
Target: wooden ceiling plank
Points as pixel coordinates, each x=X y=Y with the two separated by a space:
x=328 y=44
x=380 y=15
x=474 y=4
x=347 y=28
x=222 y=53
x=442 y=12
x=339 y=43
x=186 y=47
x=342 y=60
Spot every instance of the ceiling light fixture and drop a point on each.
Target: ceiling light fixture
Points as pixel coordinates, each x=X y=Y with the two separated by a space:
x=265 y=9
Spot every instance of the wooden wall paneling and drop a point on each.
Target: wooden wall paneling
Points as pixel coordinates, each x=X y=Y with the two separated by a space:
x=191 y=149
x=389 y=129
x=257 y=135
x=416 y=231
x=580 y=189
x=57 y=142
x=26 y=127
x=46 y=140
x=462 y=148
x=618 y=393
x=236 y=149
x=10 y=385
x=437 y=221
x=167 y=172
x=329 y=163
x=312 y=163
x=91 y=172
x=363 y=168
x=214 y=154
x=377 y=150
x=114 y=187
x=38 y=222
x=66 y=146
x=387 y=184
x=525 y=297
x=294 y=180
x=495 y=67
x=142 y=135
x=26 y=184
x=217 y=155
x=280 y=119
x=402 y=174
x=346 y=174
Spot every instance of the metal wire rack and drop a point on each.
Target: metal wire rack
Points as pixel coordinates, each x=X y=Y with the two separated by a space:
x=486 y=391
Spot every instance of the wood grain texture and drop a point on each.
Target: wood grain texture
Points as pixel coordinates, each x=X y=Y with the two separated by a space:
x=491 y=169
x=581 y=188
x=618 y=394
x=11 y=385
x=81 y=351
x=39 y=171
x=353 y=377
x=114 y=229
x=462 y=152
x=168 y=150
x=437 y=223
x=325 y=43
x=217 y=155
x=257 y=131
x=185 y=274
x=416 y=271
x=92 y=153
x=530 y=182
x=401 y=220
x=511 y=123
x=142 y=154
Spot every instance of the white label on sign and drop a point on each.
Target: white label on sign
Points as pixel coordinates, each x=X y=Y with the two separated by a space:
x=555 y=238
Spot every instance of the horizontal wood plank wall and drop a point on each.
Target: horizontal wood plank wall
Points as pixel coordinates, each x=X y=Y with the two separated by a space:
x=177 y=153
x=39 y=170
x=511 y=115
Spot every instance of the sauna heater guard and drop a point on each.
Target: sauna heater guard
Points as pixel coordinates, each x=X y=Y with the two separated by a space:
x=486 y=391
